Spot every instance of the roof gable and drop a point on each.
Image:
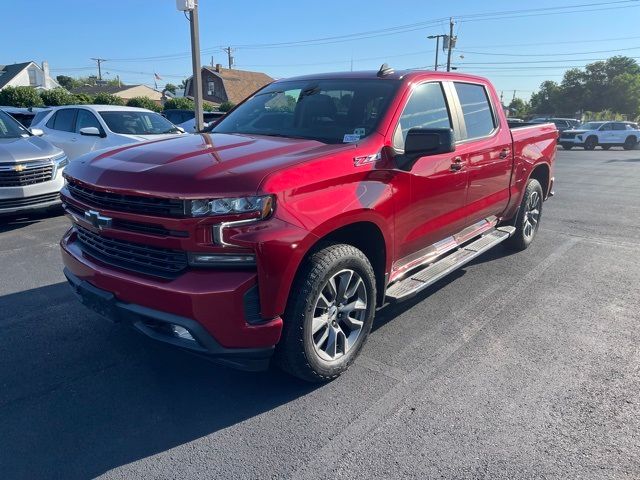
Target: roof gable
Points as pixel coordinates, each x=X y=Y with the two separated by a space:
x=9 y=72
x=239 y=84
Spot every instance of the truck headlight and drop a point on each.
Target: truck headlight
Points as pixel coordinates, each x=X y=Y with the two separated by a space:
x=59 y=162
x=261 y=205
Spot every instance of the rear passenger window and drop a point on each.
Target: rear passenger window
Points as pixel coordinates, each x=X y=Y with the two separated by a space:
x=619 y=126
x=476 y=109
x=427 y=108
x=63 y=120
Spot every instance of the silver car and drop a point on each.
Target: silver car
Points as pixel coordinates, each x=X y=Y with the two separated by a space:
x=30 y=168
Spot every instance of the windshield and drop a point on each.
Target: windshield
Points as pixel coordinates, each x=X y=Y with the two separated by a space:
x=9 y=128
x=591 y=125
x=138 y=123
x=330 y=111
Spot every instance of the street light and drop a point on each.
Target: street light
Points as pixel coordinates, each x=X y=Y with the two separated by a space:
x=437 y=37
x=191 y=6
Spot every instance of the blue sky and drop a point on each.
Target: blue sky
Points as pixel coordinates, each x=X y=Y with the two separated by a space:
x=68 y=33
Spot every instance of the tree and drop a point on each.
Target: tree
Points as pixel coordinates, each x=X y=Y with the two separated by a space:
x=518 y=108
x=107 y=99
x=20 y=97
x=56 y=97
x=143 y=102
x=546 y=99
x=170 y=87
x=179 y=103
x=65 y=81
x=226 y=106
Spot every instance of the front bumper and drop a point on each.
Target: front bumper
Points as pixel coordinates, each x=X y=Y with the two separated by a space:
x=210 y=304
x=31 y=197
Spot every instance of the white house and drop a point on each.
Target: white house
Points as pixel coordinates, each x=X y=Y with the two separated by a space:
x=27 y=74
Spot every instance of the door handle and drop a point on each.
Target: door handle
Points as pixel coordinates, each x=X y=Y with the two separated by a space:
x=457 y=164
x=504 y=153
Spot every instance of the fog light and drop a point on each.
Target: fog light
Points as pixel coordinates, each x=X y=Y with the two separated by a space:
x=221 y=260
x=181 y=332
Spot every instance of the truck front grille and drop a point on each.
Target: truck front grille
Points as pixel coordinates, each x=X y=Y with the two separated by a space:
x=23 y=174
x=568 y=135
x=164 y=207
x=159 y=262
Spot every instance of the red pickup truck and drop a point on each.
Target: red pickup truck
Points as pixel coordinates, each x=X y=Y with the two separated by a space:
x=312 y=203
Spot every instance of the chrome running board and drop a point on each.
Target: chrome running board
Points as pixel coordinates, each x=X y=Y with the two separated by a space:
x=421 y=279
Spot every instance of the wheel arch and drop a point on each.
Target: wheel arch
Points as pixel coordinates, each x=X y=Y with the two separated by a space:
x=542 y=173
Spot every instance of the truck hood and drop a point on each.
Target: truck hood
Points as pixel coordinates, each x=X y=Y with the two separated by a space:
x=196 y=166
x=24 y=149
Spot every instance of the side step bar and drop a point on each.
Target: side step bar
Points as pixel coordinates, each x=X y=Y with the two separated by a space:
x=414 y=283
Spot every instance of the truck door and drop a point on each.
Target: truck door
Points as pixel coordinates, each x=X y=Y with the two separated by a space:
x=437 y=186
x=485 y=148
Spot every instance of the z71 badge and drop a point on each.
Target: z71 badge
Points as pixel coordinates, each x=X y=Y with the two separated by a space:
x=365 y=160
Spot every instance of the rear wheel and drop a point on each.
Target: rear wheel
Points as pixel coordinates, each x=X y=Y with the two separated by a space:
x=630 y=143
x=528 y=217
x=590 y=143
x=567 y=146
x=329 y=314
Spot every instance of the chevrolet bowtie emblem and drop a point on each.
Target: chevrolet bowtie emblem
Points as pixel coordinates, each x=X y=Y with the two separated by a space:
x=97 y=220
x=19 y=168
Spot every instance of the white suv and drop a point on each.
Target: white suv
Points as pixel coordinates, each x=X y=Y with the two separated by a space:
x=606 y=134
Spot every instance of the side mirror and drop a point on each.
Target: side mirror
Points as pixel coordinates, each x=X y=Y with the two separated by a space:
x=90 y=132
x=36 y=131
x=422 y=142
x=180 y=129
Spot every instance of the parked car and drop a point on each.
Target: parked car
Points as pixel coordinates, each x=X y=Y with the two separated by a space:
x=186 y=119
x=23 y=115
x=312 y=203
x=79 y=129
x=605 y=134
x=561 y=124
x=30 y=169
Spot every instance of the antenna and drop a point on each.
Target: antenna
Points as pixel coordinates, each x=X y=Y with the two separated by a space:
x=384 y=70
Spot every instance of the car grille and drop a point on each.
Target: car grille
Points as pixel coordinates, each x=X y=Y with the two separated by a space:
x=160 y=262
x=29 y=201
x=126 y=203
x=30 y=175
x=568 y=135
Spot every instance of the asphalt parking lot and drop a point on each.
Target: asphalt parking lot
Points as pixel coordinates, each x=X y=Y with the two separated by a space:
x=519 y=366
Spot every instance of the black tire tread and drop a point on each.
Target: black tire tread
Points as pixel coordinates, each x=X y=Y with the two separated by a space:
x=517 y=242
x=290 y=354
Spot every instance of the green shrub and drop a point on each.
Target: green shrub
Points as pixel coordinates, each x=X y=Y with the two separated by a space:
x=56 y=97
x=20 y=97
x=82 y=99
x=226 y=106
x=143 y=102
x=179 y=103
x=107 y=99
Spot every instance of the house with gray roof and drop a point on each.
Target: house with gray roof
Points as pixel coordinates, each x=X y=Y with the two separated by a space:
x=27 y=74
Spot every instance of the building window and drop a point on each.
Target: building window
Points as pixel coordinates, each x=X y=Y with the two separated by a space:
x=32 y=77
x=211 y=89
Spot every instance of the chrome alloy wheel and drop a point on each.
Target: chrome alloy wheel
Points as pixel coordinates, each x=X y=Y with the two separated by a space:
x=339 y=315
x=531 y=215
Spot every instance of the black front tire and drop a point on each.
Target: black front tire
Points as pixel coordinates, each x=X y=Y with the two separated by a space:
x=296 y=352
x=630 y=143
x=590 y=143
x=566 y=146
x=523 y=237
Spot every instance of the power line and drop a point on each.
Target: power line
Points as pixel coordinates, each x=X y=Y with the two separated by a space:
x=549 y=54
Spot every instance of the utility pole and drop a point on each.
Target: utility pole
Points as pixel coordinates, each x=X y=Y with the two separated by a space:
x=501 y=97
x=191 y=6
x=437 y=37
x=514 y=96
x=229 y=51
x=451 y=43
x=99 y=62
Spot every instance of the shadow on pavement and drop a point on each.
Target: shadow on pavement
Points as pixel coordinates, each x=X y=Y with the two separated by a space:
x=16 y=221
x=80 y=396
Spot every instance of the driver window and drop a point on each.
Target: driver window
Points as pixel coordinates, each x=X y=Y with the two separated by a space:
x=606 y=127
x=426 y=108
x=86 y=119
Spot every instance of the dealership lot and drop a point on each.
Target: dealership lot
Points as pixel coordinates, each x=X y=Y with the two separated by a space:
x=519 y=366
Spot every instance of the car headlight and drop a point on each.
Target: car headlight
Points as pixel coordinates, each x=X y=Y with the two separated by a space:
x=260 y=205
x=59 y=162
